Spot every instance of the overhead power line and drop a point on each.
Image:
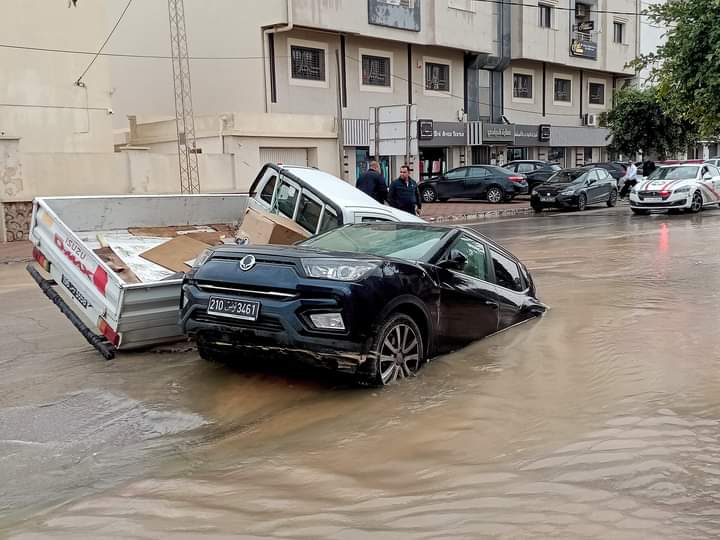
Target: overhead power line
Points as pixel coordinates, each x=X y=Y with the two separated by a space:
x=117 y=23
x=124 y=55
x=37 y=106
x=563 y=8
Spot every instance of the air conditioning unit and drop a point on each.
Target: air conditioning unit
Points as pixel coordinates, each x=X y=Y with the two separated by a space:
x=582 y=10
x=592 y=119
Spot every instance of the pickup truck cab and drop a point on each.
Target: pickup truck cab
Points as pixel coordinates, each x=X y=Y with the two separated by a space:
x=318 y=201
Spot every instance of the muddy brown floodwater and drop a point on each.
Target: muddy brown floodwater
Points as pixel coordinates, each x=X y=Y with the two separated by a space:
x=601 y=420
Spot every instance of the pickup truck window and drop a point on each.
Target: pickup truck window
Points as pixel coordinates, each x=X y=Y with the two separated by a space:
x=286 y=199
x=269 y=190
x=329 y=221
x=308 y=215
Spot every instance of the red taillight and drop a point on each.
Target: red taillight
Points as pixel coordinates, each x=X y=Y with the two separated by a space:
x=111 y=335
x=41 y=259
x=517 y=179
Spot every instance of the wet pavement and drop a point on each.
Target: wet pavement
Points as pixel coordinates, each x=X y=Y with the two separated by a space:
x=601 y=420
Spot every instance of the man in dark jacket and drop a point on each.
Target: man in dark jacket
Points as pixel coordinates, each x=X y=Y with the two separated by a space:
x=404 y=194
x=372 y=182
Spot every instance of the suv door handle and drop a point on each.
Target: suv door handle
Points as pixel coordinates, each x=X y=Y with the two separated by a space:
x=494 y=305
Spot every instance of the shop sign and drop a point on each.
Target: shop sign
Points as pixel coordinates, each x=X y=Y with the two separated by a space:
x=585 y=49
x=448 y=134
x=526 y=135
x=498 y=133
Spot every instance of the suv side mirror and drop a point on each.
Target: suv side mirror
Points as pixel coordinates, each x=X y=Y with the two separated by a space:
x=707 y=176
x=457 y=261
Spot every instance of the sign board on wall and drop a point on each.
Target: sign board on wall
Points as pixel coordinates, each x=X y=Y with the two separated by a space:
x=403 y=14
x=447 y=134
x=498 y=133
x=528 y=135
x=393 y=130
x=584 y=49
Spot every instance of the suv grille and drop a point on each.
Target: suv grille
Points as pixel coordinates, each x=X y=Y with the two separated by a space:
x=264 y=323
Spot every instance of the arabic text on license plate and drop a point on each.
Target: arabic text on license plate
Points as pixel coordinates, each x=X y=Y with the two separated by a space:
x=237 y=309
x=653 y=199
x=547 y=199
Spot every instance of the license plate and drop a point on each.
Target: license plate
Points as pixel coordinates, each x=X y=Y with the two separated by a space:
x=652 y=199
x=547 y=199
x=237 y=309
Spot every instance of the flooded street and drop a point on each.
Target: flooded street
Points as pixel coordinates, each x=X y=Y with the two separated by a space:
x=602 y=420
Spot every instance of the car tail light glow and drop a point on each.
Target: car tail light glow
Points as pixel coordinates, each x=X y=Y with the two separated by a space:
x=41 y=259
x=107 y=331
x=517 y=179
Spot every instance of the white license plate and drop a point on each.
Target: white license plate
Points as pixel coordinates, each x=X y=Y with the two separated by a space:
x=547 y=199
x=652 y=199
x=237 y=309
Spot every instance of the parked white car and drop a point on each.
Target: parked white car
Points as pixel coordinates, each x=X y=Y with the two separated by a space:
x=316 y=200
x=689 y=187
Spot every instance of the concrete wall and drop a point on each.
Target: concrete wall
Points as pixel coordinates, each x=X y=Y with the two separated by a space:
x=130 y=172
x=47 y=79
x=531 y=42
x=216 y=28
x=522 y=111
x=243 y=134
x=465 y=24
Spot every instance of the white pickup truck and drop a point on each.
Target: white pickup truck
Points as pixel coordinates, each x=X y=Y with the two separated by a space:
x=112 y=313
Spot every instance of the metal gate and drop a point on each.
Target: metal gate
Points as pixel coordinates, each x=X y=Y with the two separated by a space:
x=284 y=156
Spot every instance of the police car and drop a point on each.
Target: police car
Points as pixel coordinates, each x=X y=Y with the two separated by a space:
x=685 y=186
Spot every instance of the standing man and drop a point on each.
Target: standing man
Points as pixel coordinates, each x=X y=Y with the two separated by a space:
x=404 y=194
x=372 y=183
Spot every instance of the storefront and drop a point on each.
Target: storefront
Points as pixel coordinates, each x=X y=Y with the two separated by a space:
x=444 y=151
x=578 y=146
x=497 y=138
x=530 y=142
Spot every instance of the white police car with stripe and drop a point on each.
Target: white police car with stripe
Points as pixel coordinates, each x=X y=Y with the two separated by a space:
x=685 y=186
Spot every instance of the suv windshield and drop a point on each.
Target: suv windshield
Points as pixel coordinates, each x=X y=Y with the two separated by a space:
x=382 y=240
x=674 y=173
x=566 y=177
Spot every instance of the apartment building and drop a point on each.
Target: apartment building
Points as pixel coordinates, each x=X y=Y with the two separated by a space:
x=568 y=60
x=278 y=98
x=499 y=80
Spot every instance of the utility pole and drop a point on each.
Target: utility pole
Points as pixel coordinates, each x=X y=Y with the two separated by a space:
x=341 y=127
x=184 y=119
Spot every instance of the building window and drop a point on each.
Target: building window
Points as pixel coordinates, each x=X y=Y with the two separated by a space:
x=563 y=90
x=376 y=71
x=596 y=93
x=437 y=77
x=522 y=86
x=618 y=32
x=545 y=16
x=307 y=63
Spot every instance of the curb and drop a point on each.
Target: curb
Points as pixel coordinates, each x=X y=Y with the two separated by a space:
x=487 y=214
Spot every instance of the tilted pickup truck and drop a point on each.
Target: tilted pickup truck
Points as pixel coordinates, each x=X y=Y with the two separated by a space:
x=112 y=313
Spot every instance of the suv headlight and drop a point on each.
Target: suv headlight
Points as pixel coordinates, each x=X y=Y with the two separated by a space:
x=338 y=269
x=684 y=189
